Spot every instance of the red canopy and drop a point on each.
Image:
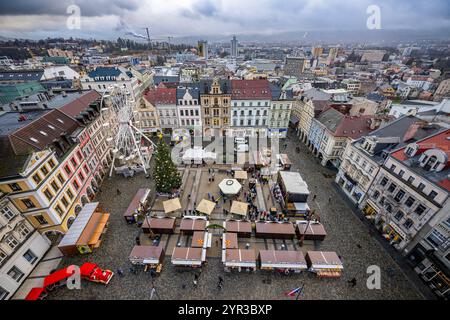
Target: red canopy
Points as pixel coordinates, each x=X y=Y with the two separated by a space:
x=34 y=294
x=57 y=276
x=87 y=268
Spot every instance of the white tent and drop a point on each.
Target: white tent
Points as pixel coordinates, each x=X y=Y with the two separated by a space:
x=230 y=186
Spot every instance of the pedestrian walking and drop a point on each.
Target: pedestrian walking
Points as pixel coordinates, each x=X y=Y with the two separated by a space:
x=352 y=282
x=195 y=284
x=314 y=197
x=118 y=192
x=189 y=196
x=120 y=272
x=138 y=241
x=329 y=199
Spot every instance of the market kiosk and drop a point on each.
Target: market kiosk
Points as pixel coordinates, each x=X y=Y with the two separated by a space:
x=241 y=227
x=201 y=239
x=151 y=257
x=325 y=264
x=240 y=260
x=313 y=230
x=282 y=260
x=284 y=161
x=136 y=205
x=275 y=230
x=293 y=192
x=159 y=225
x=188 y=257
x=85 y=233
x=229 y=241
x=190 y=224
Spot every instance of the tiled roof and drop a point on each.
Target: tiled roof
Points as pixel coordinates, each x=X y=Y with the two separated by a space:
x=79 y=105
x=440 y=141
x=250 y=89
x=344 y=126
x=21 y=75
x=40 y=133
x=104 y=72
x=161 y=95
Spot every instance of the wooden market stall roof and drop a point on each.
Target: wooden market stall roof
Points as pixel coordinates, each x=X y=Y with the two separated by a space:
x=240 y=258
x=275 y=228
x=206 y=206
x=240 y=175
x=323 y=260
x=229 y=240
x=193 y=223
x=159 y=223
x=147 y=254
x=198 y=239
x=282 y=259
x=240 y=208
x=87 y=227
x=313 y=230
x=238 y=226
x=187 y=256
x=172 y=205
x=139 y=198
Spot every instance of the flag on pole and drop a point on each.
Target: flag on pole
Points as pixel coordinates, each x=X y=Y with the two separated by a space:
x=293 y=292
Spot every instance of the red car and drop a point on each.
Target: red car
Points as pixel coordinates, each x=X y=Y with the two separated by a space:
x=92 y=272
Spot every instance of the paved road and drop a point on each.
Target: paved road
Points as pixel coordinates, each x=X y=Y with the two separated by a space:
x=346 y=235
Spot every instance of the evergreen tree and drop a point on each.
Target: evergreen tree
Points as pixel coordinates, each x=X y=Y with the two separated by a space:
x=165 y=172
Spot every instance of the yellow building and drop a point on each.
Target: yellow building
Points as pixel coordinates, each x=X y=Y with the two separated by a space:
x=215 y=100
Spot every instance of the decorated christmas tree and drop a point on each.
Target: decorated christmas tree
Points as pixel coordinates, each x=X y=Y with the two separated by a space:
x=165 y=173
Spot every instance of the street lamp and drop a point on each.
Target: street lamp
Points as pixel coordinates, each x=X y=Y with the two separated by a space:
x=302 y=239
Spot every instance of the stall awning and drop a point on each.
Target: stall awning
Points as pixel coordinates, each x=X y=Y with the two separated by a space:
x=206 y=206
x=239 y=208
x=240 y=175
x=230 y=186
x=99 y=229
x=172 y=205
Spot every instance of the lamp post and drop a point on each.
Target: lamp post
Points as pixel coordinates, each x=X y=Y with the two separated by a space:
x=302 y=239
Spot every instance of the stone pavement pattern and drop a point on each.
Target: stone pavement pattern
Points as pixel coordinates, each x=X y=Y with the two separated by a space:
x=346 y=235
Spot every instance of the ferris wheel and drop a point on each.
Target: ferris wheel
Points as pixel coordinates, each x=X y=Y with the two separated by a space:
x=121 y=121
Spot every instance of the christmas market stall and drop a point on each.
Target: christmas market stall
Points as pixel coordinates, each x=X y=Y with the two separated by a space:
x=229 y=241
x=85 y=233
x=240 y=260
x=136 y=205
x=240 y=227
x=190 y=224
x=206 y=207
x=312 y=230
x=230 y=187
x=188 y=257
x=325 y=264
x=292 y=192
x=159 y=225
x=149 y=256
x=240 y=175
x=275 y=230
x=282 y=261
x=284 y=161
x=171 y=205
x=201 y=239
x=239 y=208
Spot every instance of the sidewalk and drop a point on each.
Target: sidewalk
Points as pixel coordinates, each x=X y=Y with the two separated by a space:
x=395 y=255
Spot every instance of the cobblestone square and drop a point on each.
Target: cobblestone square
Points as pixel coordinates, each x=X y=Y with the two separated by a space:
x=346 y=235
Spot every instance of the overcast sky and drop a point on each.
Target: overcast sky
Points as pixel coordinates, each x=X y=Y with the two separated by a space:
x=109 y=19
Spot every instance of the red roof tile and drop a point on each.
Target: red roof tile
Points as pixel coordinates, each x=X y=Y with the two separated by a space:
x=79 y=105
x=161 y=95
x=250 y=89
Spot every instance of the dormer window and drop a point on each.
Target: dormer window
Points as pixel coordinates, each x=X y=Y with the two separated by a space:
x=433 y=160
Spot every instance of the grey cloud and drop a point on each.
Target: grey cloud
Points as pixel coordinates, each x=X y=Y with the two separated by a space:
x=88 y=8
